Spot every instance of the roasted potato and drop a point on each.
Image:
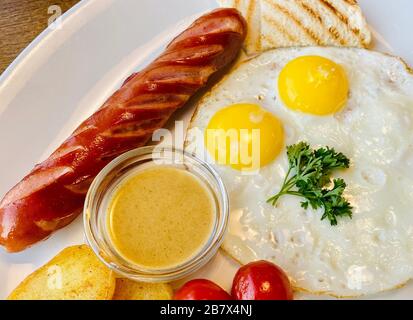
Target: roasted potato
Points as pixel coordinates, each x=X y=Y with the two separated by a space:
x=131 y=290
x=74 y=274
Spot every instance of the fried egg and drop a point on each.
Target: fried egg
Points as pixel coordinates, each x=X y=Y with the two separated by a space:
x=356 y=101
x=240 y=121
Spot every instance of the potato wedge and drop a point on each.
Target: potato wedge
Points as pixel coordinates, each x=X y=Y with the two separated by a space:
x=131 y=290
x=74 y=274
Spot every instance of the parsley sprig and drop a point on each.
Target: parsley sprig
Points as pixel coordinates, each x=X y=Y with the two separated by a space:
x=309 y=176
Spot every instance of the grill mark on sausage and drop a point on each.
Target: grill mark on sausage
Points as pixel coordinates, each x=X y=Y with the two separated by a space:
x=191 y=55
x=135 y=129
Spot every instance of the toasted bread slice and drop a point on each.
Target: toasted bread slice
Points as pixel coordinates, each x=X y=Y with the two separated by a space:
x=131 y=290
x=74 y=274
x=250 y=9
x=288 y=23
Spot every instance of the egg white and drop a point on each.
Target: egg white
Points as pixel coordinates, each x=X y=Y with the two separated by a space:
x=367 y=254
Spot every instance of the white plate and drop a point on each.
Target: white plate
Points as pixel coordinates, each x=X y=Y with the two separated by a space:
x=66 y=74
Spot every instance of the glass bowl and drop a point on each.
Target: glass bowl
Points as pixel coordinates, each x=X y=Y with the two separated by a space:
x=101 y=192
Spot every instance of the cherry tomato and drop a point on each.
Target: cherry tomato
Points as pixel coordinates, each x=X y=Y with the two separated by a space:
x=201 y=289
x=261 y=280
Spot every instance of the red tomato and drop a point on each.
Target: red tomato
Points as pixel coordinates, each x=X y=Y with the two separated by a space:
x=201 y=289
x=261 y=280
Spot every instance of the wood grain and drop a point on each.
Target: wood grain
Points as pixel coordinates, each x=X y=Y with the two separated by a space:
x=20 y=22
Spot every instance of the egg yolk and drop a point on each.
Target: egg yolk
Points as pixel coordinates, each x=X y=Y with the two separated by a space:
x=313 y=85
x=244 y=136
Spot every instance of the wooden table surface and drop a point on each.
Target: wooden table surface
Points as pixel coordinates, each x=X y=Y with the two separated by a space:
x=21 y=21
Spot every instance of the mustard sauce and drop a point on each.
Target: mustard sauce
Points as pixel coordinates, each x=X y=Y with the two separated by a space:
x=161 y=217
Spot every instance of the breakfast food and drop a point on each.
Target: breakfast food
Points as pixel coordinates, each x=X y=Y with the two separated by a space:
x=261 y=280
x=156 y=214
x=356 y=101
x=201 y=289
x=53 y=194
x=131 y=290
x=313 y=142
x=161 y=232
x=74 y=274
x=309 y=176
x=288 y=23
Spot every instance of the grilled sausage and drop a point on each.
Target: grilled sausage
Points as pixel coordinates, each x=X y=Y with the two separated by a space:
x=53 y=194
